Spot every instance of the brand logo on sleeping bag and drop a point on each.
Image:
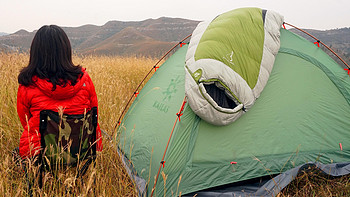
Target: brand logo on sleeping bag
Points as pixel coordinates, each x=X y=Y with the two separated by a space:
x=167 y=95
x=229 y=58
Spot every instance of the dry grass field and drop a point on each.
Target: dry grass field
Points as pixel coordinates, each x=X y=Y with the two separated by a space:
x=115 y=79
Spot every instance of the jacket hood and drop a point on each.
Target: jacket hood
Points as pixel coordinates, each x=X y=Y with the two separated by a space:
x=61 y=92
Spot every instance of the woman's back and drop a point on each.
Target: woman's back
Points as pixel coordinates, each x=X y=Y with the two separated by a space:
x=51 y=82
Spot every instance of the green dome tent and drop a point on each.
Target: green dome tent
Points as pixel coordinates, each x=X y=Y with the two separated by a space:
x=300 y=117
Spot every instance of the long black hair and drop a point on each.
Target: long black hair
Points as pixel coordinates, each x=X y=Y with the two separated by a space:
x=50 y=58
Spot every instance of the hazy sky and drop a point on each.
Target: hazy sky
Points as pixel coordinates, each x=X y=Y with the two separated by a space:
x=32 y=14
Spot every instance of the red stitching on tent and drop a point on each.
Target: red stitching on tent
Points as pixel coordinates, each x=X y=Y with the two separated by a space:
x=182 y=43
x=318 y=43
x=163 y=162
x=183 y=105
x=341 y=146
x=233 y=162
x=136 y=93
x=155 y=68
x=284 y=26
x=179 y=114
x=347 y=70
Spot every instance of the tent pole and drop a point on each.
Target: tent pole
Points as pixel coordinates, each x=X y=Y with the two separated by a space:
x=154 y=67
x=166 y=148
x=305 y=32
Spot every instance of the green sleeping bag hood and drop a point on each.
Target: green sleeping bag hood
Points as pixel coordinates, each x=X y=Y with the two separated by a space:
x=229 y=61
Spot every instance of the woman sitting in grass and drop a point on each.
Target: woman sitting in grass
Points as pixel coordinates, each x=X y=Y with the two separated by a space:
x=51 y=82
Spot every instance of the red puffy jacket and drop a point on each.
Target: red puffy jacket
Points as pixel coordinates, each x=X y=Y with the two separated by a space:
x=39 y=96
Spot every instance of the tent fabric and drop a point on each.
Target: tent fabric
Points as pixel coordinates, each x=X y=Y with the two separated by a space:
x=145 y=129
x=301 y=116
x=271 y=186
x=234 y=52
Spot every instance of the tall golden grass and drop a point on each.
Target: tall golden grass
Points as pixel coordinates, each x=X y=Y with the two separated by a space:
x=115 y=79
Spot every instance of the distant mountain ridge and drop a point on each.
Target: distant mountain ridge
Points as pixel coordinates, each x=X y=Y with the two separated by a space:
x=151 y=37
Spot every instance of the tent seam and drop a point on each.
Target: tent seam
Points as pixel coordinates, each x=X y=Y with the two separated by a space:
x=334 y=78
